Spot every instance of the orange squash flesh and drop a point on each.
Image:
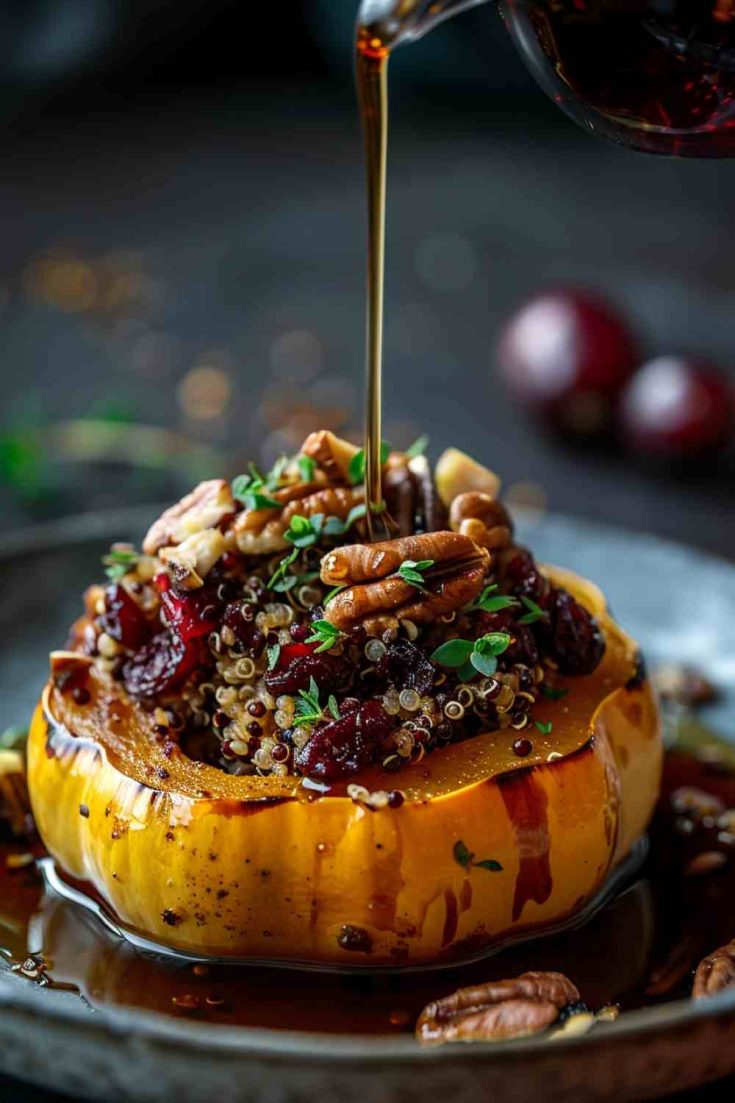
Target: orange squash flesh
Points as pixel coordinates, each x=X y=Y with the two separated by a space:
x=265 y=869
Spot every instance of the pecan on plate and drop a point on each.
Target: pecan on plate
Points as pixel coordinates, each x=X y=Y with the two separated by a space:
x=15 y=805
x=715 y=973
x=377 y=597
x=208 y=505
x=262 y=531
x=497 y=1011
x=483 y=519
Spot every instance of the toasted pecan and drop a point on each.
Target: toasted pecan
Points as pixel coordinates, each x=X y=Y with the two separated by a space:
x=483 y=519
x=262 y=531
x=207 y=506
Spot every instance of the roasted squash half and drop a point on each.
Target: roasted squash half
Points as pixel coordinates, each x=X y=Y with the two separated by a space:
x=486 y=846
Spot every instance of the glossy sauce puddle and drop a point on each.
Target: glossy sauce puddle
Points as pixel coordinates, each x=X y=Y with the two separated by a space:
x=638 y=950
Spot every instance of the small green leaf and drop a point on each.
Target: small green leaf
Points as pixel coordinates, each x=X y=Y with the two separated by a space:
x=356 y=468
x=466 y=672
x=494 y=643
x=496 y=604
x=544 y=728
x=486 y=664
x=461 y=854
x=13 y=739
x=418 y=448
x=282 y=570
x=413 y=573
x=535 y=612
x=119 y=562
x=325 y=634
x=275 y=475
x=273 y=654
x=248 y=489
x=307 y=468
x=333 y=707
x=453 y=653
x=303 y=532
x=491 y=864
x=552 y=692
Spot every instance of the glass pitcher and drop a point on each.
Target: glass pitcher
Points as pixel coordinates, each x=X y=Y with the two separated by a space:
x=655 y=75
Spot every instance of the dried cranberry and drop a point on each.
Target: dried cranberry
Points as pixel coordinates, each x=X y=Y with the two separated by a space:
x=523 y=577
x=300 y=632
x=239 y=617
x=407 y=667
x=344 y=746
x=572 y=637
x=161 y=666
x=123 y=618
x=331 y=673
x=192 y=614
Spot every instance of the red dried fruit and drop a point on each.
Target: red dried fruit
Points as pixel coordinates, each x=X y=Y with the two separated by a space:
x=572 y=636
x=239 y=617
x=123 y=619
x=192 y=614
x=342 y=747
x=332 y=673
x=523 y=577
x=162 y=665
x=407 y=667
x=523 y=647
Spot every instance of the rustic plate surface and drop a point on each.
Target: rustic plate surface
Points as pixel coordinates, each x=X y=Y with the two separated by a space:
x=679 y=603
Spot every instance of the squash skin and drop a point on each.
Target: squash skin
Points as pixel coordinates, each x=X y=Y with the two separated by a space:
x=324 y=881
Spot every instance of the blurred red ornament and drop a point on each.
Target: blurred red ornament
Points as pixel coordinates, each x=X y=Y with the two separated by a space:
x=676 y=406
x=568 y=354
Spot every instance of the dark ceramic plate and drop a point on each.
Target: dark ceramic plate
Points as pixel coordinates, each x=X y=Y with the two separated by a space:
x=679 y=603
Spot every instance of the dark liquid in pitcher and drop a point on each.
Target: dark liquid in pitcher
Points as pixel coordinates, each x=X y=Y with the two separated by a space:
x=658 y=75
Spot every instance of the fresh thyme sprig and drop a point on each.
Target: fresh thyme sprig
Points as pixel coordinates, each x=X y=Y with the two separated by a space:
x=489 y=601
x=252 y=491
x=413 y=572
x=325 y=634
x=535 y=612
x=309 y=709
x=120 y=561
x=471 y=657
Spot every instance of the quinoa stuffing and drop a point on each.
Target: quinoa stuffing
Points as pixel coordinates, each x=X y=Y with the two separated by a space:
x=268 y=637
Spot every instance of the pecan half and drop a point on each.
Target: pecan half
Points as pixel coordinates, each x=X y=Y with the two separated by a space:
x=15 y=805
x=715 y=973
x=483 y=519
x=262 y=531
x=377 y=597
x=208 y=505
x=191 y=561
x=498 y=1010
x=331 y=454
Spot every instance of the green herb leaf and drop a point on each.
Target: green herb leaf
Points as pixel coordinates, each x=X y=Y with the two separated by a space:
x=418 y=448
x=493 y=604
x=491 y=864
x=462 y=855
x=485 y=664
x=119 y=562
x=494 y=643
x=356 y=468
x=413 y=573
x=273 y=653
x=308 y=709
x=325 y=634
x=307 y=468
x=282 y=571
x=335 y=526
x=535 y=612
x=453 y=653
x=466 y=672
x=303 y=532
x=545 y=728
x=13 y=739
x=334 y=707
x=248 y=489
x=552 y=692
x=276 y=473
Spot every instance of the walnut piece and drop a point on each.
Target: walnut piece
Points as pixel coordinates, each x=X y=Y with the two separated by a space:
x=715 y=973
x=208 y=505
x=15 y=806
x=331 y=454
x=483 y=519
x=497 y=1011
x=456 y=473
x=262 y=531
x=377 y=597
x=191 y=561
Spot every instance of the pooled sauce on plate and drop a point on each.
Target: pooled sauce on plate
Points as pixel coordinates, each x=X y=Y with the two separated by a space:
x=639 y=950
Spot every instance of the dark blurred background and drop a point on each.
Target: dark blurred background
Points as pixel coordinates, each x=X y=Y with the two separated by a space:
x=182 y=271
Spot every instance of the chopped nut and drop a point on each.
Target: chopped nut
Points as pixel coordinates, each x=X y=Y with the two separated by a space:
x=15 y=805
x=456 y=473
x=683 y=684
x=191 y=561
x=482 y=519
x=497 y=1011
x=715 y=973
x=262 y=531
x=331 y=454
x=208 y=505
x=378 y=598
